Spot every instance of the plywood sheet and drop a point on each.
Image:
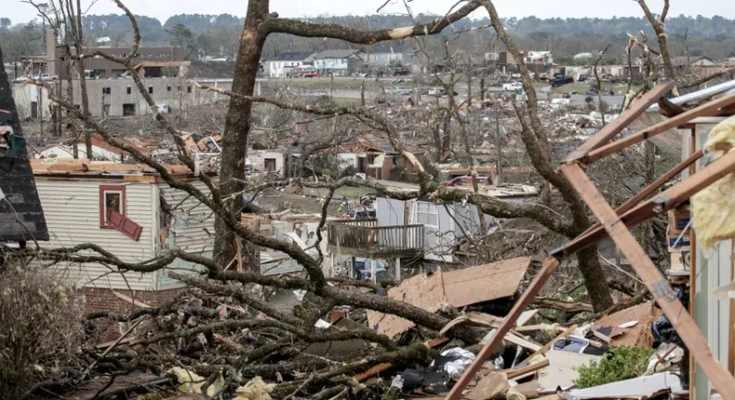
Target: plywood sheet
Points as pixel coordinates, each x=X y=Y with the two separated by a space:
x=423 y=291
x=561 y=370
x=485 y=282
x=638 y=335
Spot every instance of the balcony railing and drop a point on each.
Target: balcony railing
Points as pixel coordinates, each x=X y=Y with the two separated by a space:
x=365 y=238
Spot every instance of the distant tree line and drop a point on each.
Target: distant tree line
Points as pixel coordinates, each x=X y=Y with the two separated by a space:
x=217 y=35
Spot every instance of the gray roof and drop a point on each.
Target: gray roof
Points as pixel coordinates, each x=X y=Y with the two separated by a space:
x=21 y=214
x=291 y=56
x=335 y=53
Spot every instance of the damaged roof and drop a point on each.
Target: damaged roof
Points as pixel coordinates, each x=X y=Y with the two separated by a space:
x=21 y=214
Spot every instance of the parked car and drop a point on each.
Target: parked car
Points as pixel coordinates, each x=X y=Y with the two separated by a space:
x=591 y=92
x=562 y=80
x=467 y=181
x=46 y=78
x=439 y=92
x=399 y=90
x=512 y=87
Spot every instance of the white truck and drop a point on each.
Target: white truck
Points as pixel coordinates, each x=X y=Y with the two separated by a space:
x=512 y=87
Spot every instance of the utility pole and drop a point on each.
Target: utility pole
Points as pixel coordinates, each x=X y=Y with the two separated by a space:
x=499 y=162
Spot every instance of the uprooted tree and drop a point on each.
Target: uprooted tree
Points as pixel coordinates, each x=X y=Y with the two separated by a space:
x=274 y=337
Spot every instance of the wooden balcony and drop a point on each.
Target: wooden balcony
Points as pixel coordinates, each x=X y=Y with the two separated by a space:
x=364 y=238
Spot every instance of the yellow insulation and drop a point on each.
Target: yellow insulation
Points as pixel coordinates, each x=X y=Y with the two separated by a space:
x=713 y=208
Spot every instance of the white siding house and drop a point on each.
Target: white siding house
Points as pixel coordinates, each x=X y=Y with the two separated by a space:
x=285 y=64
x=74 y=209
x=338 y=62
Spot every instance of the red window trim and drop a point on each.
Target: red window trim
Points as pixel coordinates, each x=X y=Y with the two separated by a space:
x=115 y=188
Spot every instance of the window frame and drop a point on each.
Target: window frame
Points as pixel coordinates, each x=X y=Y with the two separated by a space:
x=428 y=210
x=103 y=189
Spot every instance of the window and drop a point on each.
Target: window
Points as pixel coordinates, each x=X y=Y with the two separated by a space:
x=168 y=88
x=426 y=214
x=188 y=89
x=130 y=90
x=150 y=89
x=112 y=198
x=106 y=90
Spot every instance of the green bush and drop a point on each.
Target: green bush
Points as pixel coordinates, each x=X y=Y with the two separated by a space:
x=620 y=363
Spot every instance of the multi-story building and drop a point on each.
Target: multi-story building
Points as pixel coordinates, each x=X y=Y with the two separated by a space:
x=338 y=62
x=52 y=63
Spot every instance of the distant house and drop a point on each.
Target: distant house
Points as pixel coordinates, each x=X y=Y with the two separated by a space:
x=338 y=62
x=536 y=61
x=268 y=160
x=377 y=161
x=702 y=66
x=383 y=56
x=285 y=64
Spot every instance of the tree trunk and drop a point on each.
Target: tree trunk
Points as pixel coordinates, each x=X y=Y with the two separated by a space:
x=235 y=138
x=594 y=279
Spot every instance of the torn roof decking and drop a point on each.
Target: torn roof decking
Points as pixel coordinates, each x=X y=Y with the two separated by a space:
x=458 y=288
x=82 y=169
x=21 y=213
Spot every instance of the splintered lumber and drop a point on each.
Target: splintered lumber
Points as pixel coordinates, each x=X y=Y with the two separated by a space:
x=709 y=108
x=491 y=386
x=134 y=302
x=610 y=130
x=386 y=366
x=655 y=281
x=514 y=373
x=665 y=201
x=550 y=265
x=548 y=345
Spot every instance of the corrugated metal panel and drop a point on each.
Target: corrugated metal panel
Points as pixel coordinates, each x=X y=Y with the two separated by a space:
x=72 y=214
x=192 y=225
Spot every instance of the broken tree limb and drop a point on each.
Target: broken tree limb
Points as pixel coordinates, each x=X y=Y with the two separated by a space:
x=680 y=319
x=386 y=366
x=545 y=302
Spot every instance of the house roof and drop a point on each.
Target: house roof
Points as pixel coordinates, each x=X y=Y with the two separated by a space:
x=21 y=214
x=681 y=61
x=390 y=49
x=292 y=56
x=99 y=142
x=106 y=170
x=358 y=146
x=335 y=54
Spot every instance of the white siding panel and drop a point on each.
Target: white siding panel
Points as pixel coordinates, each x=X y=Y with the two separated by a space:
x=72 y=215
x=192 y=225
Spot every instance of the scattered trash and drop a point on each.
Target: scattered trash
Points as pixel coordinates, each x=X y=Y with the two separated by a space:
x=190 y=382
x=256 y=389
x=453 y=361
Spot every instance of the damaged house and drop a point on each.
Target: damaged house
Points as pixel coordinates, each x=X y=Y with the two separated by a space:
x=127 y=210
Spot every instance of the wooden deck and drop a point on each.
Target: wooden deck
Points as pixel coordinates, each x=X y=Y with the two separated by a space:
x=365 y=238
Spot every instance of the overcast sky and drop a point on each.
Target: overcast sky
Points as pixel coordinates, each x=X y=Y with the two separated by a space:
x=162 y=9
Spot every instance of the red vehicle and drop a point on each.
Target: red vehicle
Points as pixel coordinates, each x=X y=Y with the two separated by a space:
x=308 y=72
x=467 y=181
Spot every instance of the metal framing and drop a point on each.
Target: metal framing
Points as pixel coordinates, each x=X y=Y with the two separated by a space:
x=615 y=224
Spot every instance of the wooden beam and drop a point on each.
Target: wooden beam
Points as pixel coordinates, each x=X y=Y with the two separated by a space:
x=550 y=265
x=655 y=281
x=652 y=187
x=706 y=109
x=514 y=373
x=547 y=346
x=610 y=130
x=665 y=201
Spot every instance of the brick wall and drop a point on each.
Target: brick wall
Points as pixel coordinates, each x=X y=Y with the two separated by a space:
x=102 y=299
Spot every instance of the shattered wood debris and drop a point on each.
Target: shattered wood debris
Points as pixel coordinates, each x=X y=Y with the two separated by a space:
x=456 y=288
